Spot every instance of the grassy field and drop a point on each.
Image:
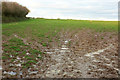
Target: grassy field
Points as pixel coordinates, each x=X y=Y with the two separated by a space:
x=21 y=38
x=44 y=30
x=42 y=26
x=40 y=29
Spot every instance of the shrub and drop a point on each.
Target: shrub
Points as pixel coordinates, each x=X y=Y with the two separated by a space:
x=13 y=11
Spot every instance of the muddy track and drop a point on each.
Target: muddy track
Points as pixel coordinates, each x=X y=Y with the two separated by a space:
x=78 y=54
x=75 y=62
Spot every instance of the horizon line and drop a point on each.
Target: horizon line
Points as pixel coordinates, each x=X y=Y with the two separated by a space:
x=78 y=19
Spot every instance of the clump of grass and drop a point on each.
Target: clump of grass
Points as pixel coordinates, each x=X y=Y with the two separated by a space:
x=7 y=50
x=15 y=53
x=26 y=65
x=34 y=51
x=102 y=37
x=15 y=40
x=31 y=61
x=28 y=58
x=7 y=54
x=4 y=57
x=24 y=52
x=110 y=37
x=5 y=45
x=50 y=40
x=39 y=57
x=44 y=44
x=13 y=47
x=17 y=49
x=69 y=43
x=41 y=35
x=12 y=60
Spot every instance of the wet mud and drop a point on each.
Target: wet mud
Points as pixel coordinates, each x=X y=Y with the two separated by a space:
x=77 y=54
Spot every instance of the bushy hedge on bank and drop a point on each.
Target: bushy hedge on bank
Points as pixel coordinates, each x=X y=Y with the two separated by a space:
x=12 y=11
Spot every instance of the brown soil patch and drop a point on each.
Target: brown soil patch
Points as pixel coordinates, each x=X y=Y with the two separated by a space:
x=67 y=58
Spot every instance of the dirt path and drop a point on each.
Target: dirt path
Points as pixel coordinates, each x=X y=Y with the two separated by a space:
x=70 y=62
x=67 y=64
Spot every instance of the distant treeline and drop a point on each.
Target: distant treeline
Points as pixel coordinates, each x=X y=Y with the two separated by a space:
x=12 y=11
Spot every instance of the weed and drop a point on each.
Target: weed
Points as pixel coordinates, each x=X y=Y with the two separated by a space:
x=5 y=45
x=24 y=52
x=44 y=44
x=17 y=49
x=102 y=37
x=13 y=47
x=7 y=50
x=34 y=51
x=15 y=53
x=12 y=60
x=50 y=40
x=4 y=57
x=39 y=57
x=28 y=58
x=31 y=61
x=69 y=43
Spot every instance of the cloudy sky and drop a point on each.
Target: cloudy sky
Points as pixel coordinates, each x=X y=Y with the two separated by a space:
x=72 y=9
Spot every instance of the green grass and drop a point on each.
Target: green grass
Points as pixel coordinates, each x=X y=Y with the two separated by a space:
x=16 y=47
x=43 y=30
x=39 y=27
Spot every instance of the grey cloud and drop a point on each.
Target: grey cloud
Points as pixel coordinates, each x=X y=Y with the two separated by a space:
x=76 y=9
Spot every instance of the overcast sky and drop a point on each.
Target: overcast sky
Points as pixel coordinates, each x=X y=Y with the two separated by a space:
x=72 y=9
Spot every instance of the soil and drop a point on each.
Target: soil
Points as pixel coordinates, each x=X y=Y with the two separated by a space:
x=77 y=54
